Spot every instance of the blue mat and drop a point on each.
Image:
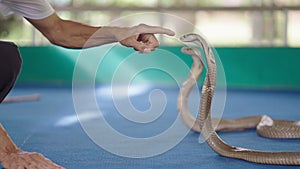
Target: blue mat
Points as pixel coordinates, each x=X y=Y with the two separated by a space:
x=49 y=126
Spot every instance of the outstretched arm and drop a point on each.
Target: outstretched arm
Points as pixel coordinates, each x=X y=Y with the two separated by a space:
x=72 y=34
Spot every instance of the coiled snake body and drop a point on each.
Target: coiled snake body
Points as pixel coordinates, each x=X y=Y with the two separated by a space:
x=265 y=125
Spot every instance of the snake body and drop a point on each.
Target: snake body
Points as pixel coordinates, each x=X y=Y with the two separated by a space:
x=265 y=126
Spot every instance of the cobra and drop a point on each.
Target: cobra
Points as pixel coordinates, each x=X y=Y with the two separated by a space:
x=204 y=124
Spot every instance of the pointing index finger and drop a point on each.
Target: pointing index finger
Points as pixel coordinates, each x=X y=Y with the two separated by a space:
x=142 y=28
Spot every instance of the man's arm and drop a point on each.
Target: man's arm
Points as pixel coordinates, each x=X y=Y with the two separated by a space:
x=72 y=34
x=63 y=32
x=7 y=145
x=12 y=157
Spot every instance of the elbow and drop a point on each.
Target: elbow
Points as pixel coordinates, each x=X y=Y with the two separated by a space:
x=61 y=39
x=56 y=40
x=59 y=36
x=53 y=41
x=58 y=31
x=54 y=34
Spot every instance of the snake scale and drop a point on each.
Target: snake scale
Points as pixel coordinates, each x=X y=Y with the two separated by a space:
x=264 y=125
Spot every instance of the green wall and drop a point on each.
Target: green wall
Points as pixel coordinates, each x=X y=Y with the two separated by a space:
x=265 y=68
x=261 y=67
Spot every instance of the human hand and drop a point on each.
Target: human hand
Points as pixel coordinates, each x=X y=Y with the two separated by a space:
x=142 y=38
x=27 y=160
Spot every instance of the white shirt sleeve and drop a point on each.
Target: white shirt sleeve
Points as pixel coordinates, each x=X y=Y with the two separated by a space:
x=32 y=9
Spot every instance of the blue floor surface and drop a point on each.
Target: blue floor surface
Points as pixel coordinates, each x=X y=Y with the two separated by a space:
x=49 y=126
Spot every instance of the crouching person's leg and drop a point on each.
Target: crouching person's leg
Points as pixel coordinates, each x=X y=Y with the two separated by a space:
x=10 y=66
x=11 y=157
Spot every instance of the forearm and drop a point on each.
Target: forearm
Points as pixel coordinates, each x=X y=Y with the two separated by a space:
x=76 y=35
x=72 y=34
x=6 y=144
